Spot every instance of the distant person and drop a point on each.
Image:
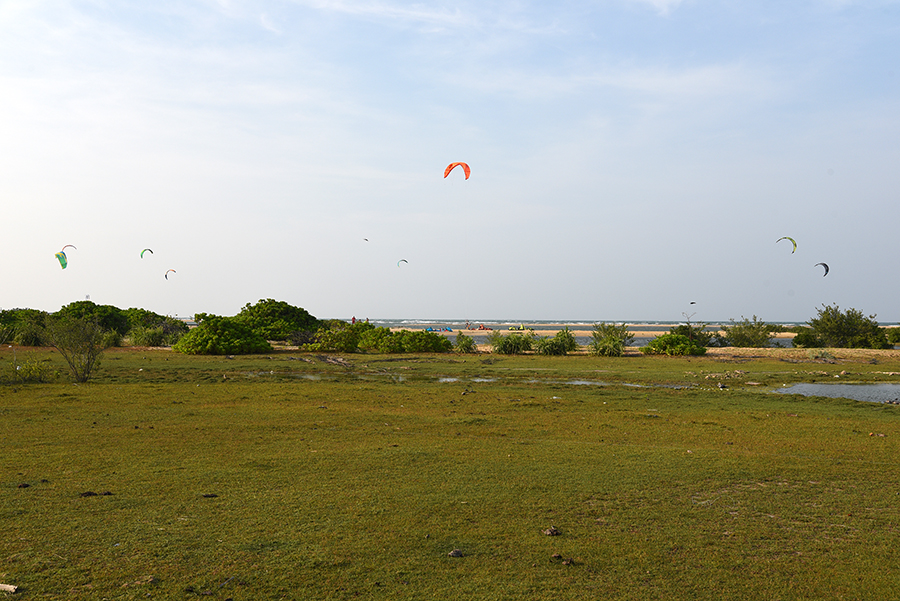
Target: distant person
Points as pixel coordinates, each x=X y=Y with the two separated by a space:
x=353 y=321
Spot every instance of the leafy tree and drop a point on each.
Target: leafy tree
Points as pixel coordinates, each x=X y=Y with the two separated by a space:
x=849 y=329
x=749 y=334
x=215 y=335
x=107 y=317
x=609 y=340
x=277 y=320
x=673 y=344
x=80 y=341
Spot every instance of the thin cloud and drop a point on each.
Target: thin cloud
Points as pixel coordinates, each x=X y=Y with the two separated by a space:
x=663 y=7
x=415 y=13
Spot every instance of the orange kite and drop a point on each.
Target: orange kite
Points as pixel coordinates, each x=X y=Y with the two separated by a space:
x=450 y=167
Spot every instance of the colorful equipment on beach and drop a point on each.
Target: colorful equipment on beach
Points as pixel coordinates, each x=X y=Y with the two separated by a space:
x=451 y=166
x=825 y=266
x=146 y=250
x=792 y=242
x=62 y=259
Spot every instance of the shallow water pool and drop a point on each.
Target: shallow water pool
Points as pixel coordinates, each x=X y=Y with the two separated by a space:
x=875 y=393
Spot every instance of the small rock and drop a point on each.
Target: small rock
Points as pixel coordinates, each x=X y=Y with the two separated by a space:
x=552 y=531
x=455 y=553
x=210 y=495
x=88 y=494
x=556 y=557
x=23 y=485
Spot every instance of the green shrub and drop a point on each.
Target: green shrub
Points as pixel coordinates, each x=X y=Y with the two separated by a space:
x=849 y=329
x=699 y=334
x=31 y=371
x=563 y=342
x=146 y=328
x=382 y=340
x=420 y=341
x=893 y=335
x=339 y=337
x=108 y=317
x=276 y=320
x=749 y=334
x=806 y=338
x=609 y=340
x=147 y=336
x=24 y=327
x=80 y=341
x=511 y=344
x=673 y=344
x=465 y=344
x=215 y=335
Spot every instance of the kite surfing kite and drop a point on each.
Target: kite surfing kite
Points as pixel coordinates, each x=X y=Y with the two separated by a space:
x=170 y=271
x=402 y=261
x=825 y=266
x=792 y=242
x=61 y=255
x=451 y=166
x=146 y=250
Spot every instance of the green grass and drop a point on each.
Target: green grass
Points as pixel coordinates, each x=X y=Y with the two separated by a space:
x=358 y=483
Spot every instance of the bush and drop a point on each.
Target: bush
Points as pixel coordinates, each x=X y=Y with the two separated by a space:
x=80 y=341
x=850 y=329
x=108 y=317
x=277 y=320
x=893 y=335
x=699 y=334
x=215 y=335
x=749 y=334
x=511 y=344
x=563 y=342
x=146 y=328
x=339 y=337
x=31 y=371
x=806 y=338
x=609 y=340
x=673 y=344
x=465 y=344
x=23 y=327
x=382 y=340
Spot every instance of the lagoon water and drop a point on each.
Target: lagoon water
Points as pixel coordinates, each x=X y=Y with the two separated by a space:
x=875 y=393
x=644 y=331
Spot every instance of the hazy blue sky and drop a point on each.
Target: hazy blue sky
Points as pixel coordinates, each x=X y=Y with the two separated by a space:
x=628 y=156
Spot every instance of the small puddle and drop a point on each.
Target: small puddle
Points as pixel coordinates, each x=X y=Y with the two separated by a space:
x=873 y=393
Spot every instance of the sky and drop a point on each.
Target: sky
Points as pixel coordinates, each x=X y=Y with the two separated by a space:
x=628 y=157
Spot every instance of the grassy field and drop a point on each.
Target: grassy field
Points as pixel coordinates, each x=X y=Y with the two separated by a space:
x=297 y=476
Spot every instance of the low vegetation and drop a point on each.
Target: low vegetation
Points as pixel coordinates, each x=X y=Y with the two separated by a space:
x=609 y=340
x=343 y=476
x=833 y=328
x=673 y=344
x=748 y=333
x=515 y=343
